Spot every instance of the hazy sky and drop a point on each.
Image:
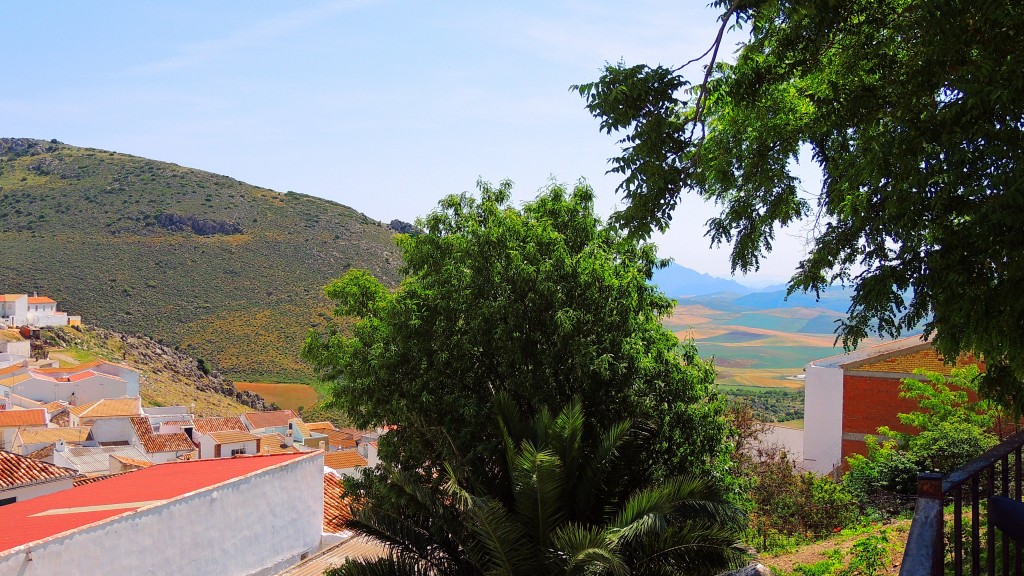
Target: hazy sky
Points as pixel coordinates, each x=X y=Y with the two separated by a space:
x=382 y=106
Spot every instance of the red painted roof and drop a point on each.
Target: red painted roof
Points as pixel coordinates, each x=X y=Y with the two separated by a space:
x=136 y=490
x=41 y=300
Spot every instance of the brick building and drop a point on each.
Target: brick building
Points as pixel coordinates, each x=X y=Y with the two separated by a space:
x=849 y=396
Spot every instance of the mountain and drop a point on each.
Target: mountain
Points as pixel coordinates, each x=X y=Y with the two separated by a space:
x=229 y=272
x=679 y=282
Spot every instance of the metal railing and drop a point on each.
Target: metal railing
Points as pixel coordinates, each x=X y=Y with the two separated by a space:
x=997 y=471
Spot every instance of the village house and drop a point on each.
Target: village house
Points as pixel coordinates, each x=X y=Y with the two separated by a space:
x=269 y=421
x=11 y=421
x=28 y=441
x=18 y=310
x=849 y=396
x=161 y=446
x=219 y=516
x=97 y=460
x=228 y=444
x=78 y=385
x=24 y=478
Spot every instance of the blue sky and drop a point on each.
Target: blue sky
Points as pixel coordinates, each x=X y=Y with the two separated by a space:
x=382 y=106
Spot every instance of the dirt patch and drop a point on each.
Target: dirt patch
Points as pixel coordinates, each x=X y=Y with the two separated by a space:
x=785 y=563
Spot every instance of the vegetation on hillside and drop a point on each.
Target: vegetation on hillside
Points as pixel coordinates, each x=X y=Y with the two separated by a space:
x=230 y=272
x=167 y=377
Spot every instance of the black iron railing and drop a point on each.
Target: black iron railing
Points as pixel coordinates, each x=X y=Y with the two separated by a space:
x=932 y=550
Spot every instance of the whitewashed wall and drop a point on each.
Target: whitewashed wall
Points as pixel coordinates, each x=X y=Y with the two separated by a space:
x=36 y=490
x=86 y=390
x=823 y=418
x=251 y=527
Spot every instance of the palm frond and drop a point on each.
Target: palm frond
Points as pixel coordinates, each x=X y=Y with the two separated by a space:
x=586 y=550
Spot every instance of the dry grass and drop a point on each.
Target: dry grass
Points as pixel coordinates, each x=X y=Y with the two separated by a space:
x=290 y=396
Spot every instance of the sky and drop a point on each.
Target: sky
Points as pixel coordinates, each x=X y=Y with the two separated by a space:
x=384 y=106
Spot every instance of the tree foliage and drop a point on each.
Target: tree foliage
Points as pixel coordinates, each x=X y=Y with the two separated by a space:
x=543 y=303
x=914 y=112
x=553 y=511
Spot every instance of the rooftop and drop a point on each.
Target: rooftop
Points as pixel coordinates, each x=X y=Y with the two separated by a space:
x=232 y=436
x=96 y=459
x=17 y=471
x=13 y=418
x=876 y=352
x=343 y=459
x=207 y=425
x=109 y=408
x=66 y=511
x=153 y=442
x=272 y=419
x=336 y=510
x=41 y=300
x=75 y=434
x=275 y=444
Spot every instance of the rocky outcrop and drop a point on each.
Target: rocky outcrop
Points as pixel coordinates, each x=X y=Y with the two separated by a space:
x=151 y=357
x=404 y=227
x=199 y=226
x=18 y=147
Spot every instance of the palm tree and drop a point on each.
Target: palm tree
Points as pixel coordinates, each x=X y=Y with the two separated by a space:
x=558 y=509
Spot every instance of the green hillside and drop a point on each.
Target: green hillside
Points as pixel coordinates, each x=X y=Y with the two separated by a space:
x=228 y=271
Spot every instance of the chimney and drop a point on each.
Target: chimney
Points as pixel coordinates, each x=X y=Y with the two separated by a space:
x=323 y=445
x=59 y=446
x=288 y=441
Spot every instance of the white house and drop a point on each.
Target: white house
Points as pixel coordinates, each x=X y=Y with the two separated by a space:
x=228 y=517
x=161 y=446
x=13 y=310
x=13 y=420
x=76 y=385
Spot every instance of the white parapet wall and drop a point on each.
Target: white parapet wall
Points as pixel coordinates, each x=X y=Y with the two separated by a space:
x=251 y=526
x=823 y=418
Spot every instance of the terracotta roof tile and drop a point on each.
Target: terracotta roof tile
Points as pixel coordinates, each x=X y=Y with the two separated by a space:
x=320 y=426
x=336 y=509
x=272 y=419
x=10 y=297
x=76 y=434
x=43 y=453
x=17 y=471
x=131 y=461
x=274 y=444
x=231 y=437
x=207 y=425
x=340 y=440
x=343 y=459
x=153 y=442
x=83 y=480
x=110 y=408
x=12 y=418
x=41 y=300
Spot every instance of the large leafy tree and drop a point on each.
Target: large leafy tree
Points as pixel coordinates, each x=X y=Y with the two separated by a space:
x=553 y=513
x=543 y=303
x=914 y=112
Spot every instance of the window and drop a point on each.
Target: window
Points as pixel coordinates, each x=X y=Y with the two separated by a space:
x=237 y=451
x=6 y=501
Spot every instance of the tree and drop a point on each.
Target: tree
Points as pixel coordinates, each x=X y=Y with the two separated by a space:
x=913 y=111
x=553 y=512
x=543 y=303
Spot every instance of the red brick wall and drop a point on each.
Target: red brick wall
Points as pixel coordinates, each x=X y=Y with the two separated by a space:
x=870 y=402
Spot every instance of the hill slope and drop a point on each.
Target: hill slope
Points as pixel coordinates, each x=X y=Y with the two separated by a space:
x=228 y=271
x=168 y=377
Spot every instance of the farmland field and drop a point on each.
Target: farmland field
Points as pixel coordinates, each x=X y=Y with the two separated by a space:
x=290 y=396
